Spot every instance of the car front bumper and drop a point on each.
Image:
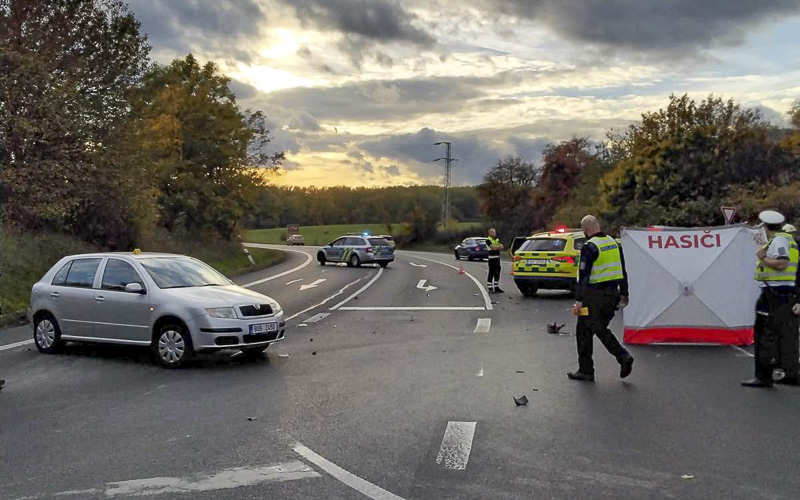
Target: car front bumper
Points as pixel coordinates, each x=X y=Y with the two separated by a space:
x=214 y=334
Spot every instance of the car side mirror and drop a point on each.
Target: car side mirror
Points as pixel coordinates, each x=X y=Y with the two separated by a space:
x=134 y=288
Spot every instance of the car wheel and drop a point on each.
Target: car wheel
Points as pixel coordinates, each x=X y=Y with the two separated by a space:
x=529 y=291
x=173 y=346
x=254 y=354
x=354 y=261
x=457 y=257
x=321 y=258
x=383 y=264
x=47 y=335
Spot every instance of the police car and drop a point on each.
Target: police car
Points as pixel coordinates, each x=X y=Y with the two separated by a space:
x=548 y=261
x=356 y=250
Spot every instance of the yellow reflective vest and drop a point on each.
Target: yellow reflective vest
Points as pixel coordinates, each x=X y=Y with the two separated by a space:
x=608 y=266
x=774 y=277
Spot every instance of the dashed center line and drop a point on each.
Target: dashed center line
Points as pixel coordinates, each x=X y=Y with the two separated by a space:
x=456 y=445
x=16 y=344
x=483 y=326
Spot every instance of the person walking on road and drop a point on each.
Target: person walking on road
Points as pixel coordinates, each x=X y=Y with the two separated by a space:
x=777 y=307
x=602 y=289
x=493 y=280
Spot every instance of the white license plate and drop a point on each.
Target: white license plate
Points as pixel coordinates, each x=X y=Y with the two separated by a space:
x=537 y=262
x=263 y=328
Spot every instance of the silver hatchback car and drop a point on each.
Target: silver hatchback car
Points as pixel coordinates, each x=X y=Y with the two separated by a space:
x=175 y=304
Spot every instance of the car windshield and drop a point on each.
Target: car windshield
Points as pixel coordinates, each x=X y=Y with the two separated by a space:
x=182 y=272
x=543 y=245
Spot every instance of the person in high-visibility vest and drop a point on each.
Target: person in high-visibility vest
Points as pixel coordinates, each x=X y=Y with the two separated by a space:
x=493 y=279
x=602 y=288
x=777 y=308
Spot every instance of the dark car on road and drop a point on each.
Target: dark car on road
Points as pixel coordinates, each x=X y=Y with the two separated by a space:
x=472 y=249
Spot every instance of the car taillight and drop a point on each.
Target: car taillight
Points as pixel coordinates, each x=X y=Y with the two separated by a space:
x=476 y=248
x=369 y=250
x=516 y=257
x=566 y=260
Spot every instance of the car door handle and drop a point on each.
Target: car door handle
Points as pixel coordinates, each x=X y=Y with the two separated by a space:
x=54 y=295
x=99 y=298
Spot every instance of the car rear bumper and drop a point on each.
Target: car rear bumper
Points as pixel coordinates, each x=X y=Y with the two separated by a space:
x=372 y=258
x=546 y=282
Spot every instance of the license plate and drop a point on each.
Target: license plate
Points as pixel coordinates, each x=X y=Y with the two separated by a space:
x=263 y=327
x=537 y=262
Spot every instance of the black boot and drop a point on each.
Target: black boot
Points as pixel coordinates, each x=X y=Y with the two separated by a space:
x=626 y=366
x=757 y=382
x=585 y=377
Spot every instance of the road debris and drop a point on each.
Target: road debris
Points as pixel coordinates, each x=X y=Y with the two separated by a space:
x=555 y=328
x=314 y=353
x=521 y=401
x=311 y=340
x=252 y=419
x=535 y=389
x=283 y=355
x=303 y=325
x=520 y=371
x=687 y=476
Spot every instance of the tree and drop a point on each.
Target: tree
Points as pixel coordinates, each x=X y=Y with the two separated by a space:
x=65 y=69
x=505 y=195
x=678 y=165
x=561 y=171
x=208 y=156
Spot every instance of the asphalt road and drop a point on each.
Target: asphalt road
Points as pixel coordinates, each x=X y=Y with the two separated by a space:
x=386 y=388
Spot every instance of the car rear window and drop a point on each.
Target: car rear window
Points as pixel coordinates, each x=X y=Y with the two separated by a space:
x=378 y=242
x=81 y=273
x=543 y=245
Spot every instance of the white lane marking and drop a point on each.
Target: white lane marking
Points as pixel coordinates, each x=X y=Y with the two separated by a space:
x=362 y=486
x=418 y=265
x=485 y=294
x=456 y=445
x=294 y=281
x=359 y=292
x=422 y=285
x=745 y=354
x=412 y=308
x=313 y=285
x=483 y=325
x=223 y=480
x=318 y=317
x=341 y=291
x=480 y=372
x=309 y=258
x=16 y=344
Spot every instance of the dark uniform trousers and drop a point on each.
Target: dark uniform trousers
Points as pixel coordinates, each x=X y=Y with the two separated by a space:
x=494 y=271
x=602 y=304
x=776 y=334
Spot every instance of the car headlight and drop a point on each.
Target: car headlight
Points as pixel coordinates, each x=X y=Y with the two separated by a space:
x=276 y=308
x=222 y=312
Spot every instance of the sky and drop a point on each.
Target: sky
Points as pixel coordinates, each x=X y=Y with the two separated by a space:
x=358 y=91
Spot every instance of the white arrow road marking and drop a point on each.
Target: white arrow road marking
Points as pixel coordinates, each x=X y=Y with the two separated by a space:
x=313 y=285
x=295 y=281
x=483 y=326
x=422 y=286
x=417 y=265
x=481 y=288
x=456 y=445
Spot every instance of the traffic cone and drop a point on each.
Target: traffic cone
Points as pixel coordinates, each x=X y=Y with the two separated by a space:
x=460 y=268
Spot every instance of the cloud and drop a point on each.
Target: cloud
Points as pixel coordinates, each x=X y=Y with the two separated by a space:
x=392 y=170
x=375 y=20
x=678 y=27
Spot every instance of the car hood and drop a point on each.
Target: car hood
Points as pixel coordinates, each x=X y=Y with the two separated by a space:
x=218 y=296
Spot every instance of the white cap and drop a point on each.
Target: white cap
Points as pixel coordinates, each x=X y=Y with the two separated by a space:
x=788 y=228
x=771 y=217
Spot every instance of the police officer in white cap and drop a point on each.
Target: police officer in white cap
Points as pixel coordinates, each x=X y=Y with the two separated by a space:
x=776 y=310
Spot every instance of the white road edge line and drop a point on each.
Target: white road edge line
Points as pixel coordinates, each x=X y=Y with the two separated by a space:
x=341 y=291
x=456 y=445
x=485 y=294
x=360 y=291
x=362 y=486
x=309 y=258
x=16 y=344
x=412 y=308
x=749 y=355
x=483 y=325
